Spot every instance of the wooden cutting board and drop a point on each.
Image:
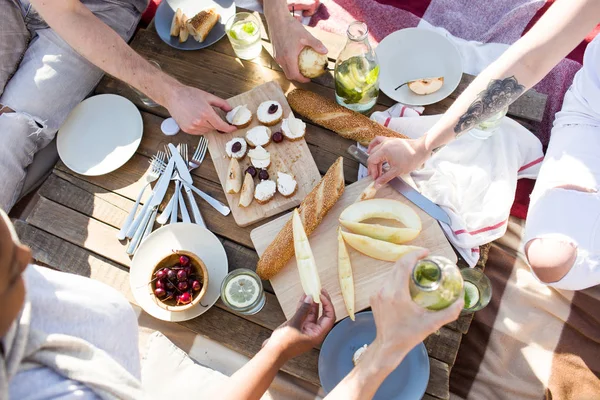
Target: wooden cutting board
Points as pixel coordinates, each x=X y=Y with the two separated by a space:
x=287 y=156
x=369 y=274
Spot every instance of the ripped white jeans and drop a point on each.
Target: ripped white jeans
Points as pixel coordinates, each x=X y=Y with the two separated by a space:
x=50 y=79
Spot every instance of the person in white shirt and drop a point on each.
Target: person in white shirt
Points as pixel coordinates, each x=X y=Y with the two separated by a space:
x=562 y=234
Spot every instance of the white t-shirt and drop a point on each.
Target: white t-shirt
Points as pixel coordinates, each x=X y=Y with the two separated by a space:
x=84 y=308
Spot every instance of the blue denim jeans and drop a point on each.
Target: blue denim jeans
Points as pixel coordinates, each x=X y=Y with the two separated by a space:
x=42 y=79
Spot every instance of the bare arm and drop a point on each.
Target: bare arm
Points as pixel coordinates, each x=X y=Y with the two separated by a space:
x=523 y=65
x=98 y=43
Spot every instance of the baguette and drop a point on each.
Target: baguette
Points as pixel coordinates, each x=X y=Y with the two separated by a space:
x=312 y=211
x=202 y=23
x=176 y=23
x=328 y=114
x=183 y=32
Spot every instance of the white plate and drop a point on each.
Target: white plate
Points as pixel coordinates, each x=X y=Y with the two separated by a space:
x=166 y=10
x=181 y=236
x=416 y=53
x=100 y=135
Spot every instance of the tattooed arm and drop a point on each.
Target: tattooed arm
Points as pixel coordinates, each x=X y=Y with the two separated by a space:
x=522 y=65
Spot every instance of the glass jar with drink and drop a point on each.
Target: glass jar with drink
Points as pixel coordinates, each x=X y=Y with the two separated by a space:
x=242 y=291
x=357 y=71
x=243 y=31
x=435 y=283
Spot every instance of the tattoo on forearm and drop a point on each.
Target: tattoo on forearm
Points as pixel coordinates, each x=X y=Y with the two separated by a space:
x=498 y=95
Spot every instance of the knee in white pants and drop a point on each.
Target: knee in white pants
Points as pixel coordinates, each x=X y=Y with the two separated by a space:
x=563 y=238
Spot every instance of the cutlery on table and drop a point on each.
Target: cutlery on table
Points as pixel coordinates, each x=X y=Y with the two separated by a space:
x=184 y=176
x=157 y=166
x=157 y=196
x=185 y=216
x=406 y=190
x=199 y=154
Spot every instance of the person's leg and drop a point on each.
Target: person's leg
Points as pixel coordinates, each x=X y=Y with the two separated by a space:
x=562 y=238
x=50 y=81
x=14 y=38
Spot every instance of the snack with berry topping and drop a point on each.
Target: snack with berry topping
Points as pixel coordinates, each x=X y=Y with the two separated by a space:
x=269 y=113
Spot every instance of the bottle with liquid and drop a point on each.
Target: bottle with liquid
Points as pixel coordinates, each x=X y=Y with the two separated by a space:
x=435 y=283
x=357 y=71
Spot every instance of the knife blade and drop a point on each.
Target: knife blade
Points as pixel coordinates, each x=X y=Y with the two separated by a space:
x=406 y=190
x=160 y=189
x=185 y=175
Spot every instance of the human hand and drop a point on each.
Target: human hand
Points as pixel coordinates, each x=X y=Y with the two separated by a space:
x=402 y=155
x=303 y=331
x=401 y=323
x=289 y=37
x=308 y=7
x=193 y=111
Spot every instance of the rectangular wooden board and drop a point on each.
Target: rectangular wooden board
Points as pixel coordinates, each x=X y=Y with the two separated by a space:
x=369 y=274
x=287 y=156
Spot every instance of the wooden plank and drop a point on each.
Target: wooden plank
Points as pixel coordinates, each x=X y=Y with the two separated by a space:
x=66 y=257
x=439 y=379
x=79 y=230
x=287 y=156
x=369 y=273
x=462 y=324
x=443 y=345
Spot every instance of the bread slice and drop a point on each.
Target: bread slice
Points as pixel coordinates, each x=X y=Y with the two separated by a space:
x=202 y=23
x=184 y=34
x=312 y=210
x=176 y=23
x=328 y=114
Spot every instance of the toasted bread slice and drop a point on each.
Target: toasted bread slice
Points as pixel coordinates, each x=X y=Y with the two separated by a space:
x=176 y=23
x=202 y=23
x=184 y=33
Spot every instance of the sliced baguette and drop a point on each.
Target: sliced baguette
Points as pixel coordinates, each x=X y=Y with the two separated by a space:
x=202 y=23
x=176 y=25
x=328 y=114
x=312 y=211
x=184 y=34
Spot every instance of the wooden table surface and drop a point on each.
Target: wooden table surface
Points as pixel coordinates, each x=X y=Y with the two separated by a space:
x=73 y=225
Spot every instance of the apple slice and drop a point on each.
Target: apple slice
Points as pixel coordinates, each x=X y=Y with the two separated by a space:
x=426 y=85
x=345 y=275
x=378 y=249
x=234 y=177
x=368 y=193
x=247 y=193
x=307 y=268
x=354 y=214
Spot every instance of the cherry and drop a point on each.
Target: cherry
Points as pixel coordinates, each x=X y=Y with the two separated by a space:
x=237 y=146
x=160 y=283
x=182 y=286
x=277 y=137
x=161 y=273
x=263 y=175
x=170 y=285
x=160 y=292
x=184 y=298
x=170 y=295
x=273 y=108
x=181 y=275
x=171 y=274
x=252 y=171
x=188 y=270
x=196 y=286
x=184 y=260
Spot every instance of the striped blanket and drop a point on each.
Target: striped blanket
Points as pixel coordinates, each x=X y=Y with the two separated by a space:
x=531 y=342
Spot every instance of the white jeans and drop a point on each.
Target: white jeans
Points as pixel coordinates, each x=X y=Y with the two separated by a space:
x=573 y=158
x=42 y=89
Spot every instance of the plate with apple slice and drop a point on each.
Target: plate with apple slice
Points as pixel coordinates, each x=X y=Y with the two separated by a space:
x=355 y=246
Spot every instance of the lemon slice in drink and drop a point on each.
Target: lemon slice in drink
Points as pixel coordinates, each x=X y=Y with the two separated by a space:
x=471 y=295
x=242 y=291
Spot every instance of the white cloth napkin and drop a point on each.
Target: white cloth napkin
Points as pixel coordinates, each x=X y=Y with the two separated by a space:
x=473 y=180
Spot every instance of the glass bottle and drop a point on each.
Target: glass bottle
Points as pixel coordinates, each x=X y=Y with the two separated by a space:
x=435 y=283
x=357 y=71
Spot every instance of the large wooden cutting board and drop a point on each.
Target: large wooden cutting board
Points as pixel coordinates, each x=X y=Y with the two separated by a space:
x=286 y=156
x=369 y=274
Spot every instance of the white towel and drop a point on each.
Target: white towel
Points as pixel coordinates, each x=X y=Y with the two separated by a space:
x=473 y=180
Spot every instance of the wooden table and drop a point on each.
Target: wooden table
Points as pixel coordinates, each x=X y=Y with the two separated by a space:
x=73 y=225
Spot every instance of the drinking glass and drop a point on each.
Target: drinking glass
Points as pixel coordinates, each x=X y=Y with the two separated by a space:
x=478 y=290
x=486 y=128
x=148 y=102
x=243 y=31
x=242 y=291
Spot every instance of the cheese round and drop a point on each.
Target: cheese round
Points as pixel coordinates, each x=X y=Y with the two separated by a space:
x=266 y=117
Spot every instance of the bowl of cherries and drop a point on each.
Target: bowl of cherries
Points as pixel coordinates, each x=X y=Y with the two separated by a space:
x=179 y=281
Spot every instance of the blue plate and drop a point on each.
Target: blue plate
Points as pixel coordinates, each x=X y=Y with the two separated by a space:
x=166 y=10
x=406 y=382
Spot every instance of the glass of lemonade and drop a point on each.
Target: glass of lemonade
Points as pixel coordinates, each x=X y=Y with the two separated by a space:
x=242 y=291
x=243 y=31
x=478 y=290
x=435 y=283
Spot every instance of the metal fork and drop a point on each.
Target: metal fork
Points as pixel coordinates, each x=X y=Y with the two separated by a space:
x=199 y=154
x=157 y=166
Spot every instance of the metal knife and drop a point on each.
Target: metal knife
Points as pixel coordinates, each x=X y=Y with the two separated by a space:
x=406 y=190
x=157 y=196
x=185 y=175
